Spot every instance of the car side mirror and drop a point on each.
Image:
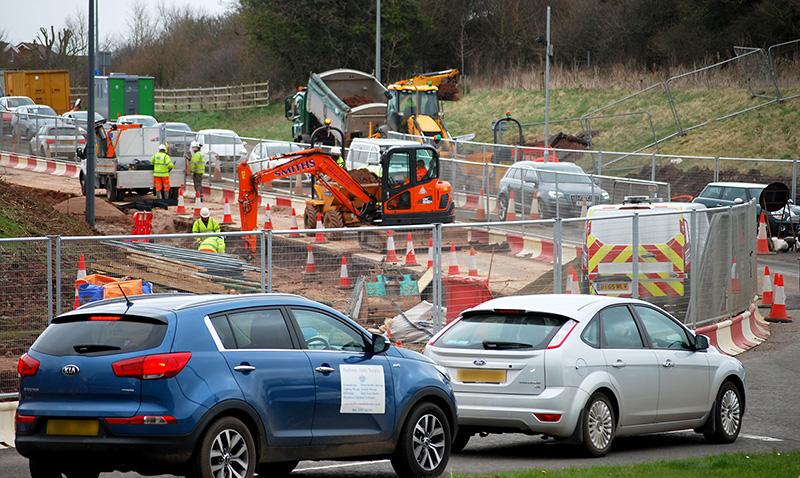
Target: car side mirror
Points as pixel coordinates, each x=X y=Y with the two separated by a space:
x=738 y=201
x=380 y=344
x=701 y=343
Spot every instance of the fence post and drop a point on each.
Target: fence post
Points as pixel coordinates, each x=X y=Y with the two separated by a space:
x=716 y=169
x=263 y=261
x=557 y=256
x=58 y=275
x=691 y=313
x=437 y=277
x=50 y=278
x=729 y=262
x=635 y=255
x=599 y=162
x=269 y=261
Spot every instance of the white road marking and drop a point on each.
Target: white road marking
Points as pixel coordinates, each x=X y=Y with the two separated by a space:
x=326 y=467
x=760 y=438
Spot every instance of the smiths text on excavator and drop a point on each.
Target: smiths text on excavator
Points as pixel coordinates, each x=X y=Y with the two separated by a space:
x=408 y=191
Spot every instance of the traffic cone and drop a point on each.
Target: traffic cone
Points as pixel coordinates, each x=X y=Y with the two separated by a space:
x=534 y=215
x=81 y=274
x=576 y=286
x=766 y=288
x=226 y=217
x=197 y=205
x=268 y=219
x=293 y=225
x=181 y=205
x=344 y=279
x=217 y=171
x=411 y=258
x=762 y=244
x=778 y=312
x=734 y=278
x=430 y=254
x=473 y=262
x=311 y=267
x=583 y=208
x=319 y=238
x=570 y=270
x=400 y=344
x=480 y=213
x=453 y=271
x=391 y=254
x=511 y=213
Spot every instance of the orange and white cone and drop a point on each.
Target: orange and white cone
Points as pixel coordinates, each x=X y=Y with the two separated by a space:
x=344 y=279
x=453 y=271
x=734 y=278
x=570 y=270
x=293 y=224
x=473 y=263
x=534 y=215
x=576 y=286
x=430 y=254
x=268 y=219
x=311 y=267
x=778 y=312
x=511 y=212
x=391 y=254
x=81 y=274
x=766 y=288
x=181 y=205
x=319 y=238
x=762 y=244
x=226 y=217
x=583 y=208
x=411 y=258
x=480 y=213
x=198 y=205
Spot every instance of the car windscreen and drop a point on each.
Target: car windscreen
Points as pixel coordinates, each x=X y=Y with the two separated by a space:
x=563 y=177
x=17 y=102
x=100 y=335
x=653 y=229
x=491 y=330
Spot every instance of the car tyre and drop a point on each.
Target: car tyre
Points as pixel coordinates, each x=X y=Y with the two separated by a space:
x=282 y=468
x=226 y=444
x=727 y=415
x=598 y=425
x=425 y=443
x=502 y=207
x=460 y=441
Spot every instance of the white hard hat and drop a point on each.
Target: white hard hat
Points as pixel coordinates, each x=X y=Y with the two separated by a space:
x=205 y=212
x=195 y=144
x=162 y=147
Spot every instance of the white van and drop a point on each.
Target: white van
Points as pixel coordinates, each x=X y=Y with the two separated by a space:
x=665 y=252
x=366 y=152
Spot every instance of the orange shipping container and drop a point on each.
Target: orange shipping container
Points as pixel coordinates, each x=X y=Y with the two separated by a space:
x=44 y=87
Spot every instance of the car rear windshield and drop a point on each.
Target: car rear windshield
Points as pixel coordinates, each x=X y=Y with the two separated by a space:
x=502 y=331
x=62 y=131
x=100 y=335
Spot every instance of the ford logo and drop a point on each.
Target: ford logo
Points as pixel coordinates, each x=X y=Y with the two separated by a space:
x=479 y=362
x=70 y=370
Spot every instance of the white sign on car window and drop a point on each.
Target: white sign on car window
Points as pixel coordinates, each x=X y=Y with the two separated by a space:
x=363 y=389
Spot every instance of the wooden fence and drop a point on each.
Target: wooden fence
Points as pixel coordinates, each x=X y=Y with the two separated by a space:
x=202 y=99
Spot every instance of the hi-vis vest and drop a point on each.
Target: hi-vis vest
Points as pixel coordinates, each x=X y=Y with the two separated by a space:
x=197 y=165
x=213 y=244
x=162 y=164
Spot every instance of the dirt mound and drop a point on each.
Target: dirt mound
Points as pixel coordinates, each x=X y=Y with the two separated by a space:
x=76 y=206
x=356 y=100
x=364 y=176
x=449 y=91
x=32 y=211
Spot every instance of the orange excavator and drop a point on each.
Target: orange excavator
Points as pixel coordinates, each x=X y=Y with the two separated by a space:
x=409 y=190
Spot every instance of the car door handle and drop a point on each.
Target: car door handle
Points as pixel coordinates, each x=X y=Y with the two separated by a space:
x=618 y=364
x=244 y=368
x=668 y=364
x=325 y=369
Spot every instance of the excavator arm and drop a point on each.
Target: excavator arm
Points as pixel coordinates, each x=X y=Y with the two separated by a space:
x=312 y=161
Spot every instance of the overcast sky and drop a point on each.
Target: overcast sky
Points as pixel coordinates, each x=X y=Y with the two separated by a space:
x=20 y=20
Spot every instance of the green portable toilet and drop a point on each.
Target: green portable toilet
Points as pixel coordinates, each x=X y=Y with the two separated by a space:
x=119 y=94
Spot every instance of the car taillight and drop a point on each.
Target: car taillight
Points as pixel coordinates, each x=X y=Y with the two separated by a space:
x=562 y=334
x=143 y=420
x=27 y=366
x=50 y=141
x=152 y=367
x=81 y=140
x=23 y=418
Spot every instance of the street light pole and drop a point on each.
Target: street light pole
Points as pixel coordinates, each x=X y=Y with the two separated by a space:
x=90 y=136
x=548 y=49
x=378 y=43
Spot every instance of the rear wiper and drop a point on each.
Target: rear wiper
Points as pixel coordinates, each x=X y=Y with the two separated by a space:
x=505 y=345
x=86 y=349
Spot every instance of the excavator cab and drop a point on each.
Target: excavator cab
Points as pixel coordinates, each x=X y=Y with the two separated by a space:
x=411 y=192
x=415 y=110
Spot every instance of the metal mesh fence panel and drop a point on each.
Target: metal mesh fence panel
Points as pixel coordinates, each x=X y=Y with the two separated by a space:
x=26 y=283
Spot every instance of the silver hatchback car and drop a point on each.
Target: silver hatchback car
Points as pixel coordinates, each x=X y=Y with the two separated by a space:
x=585 y=369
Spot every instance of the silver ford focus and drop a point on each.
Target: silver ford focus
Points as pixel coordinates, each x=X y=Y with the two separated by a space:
x=586 y=369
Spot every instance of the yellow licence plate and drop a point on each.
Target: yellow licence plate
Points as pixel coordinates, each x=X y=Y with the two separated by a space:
x=468 y=375
x=68 y=141
x=73 y=427
x=613 y=286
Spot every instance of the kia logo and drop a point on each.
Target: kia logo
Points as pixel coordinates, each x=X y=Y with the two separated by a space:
x=477 y=362
x=70 y=370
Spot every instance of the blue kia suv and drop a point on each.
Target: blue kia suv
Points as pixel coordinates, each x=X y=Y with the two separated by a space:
x=225 y=385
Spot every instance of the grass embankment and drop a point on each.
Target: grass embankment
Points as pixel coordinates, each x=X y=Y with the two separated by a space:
x=740 y=465
x=767 y=132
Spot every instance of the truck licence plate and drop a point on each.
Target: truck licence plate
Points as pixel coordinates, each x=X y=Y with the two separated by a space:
x=613 y=287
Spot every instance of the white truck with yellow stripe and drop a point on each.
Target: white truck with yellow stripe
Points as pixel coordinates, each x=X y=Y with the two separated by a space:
x=663 y=244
